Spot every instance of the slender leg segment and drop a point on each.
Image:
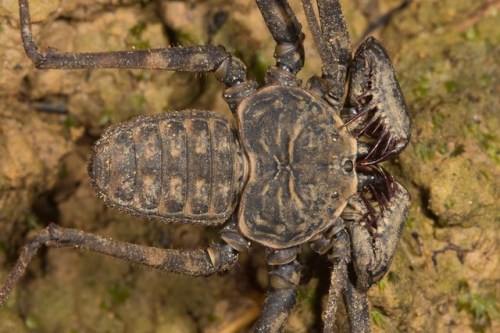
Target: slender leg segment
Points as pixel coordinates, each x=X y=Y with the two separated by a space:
x=332 y=40
x=227 y=68
x=284 y=279
x=190 y=59
x=341 y=281
x=340 y=257
x=217 y=258
x=358 y=312
x=286 y=31
x=338 y=45
x=338 y=280
x=334 y=242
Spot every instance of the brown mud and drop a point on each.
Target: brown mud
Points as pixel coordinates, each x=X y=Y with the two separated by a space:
x=446 y=274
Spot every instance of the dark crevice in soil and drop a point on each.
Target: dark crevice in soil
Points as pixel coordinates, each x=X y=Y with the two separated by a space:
x=425 y=204
x=45 y=208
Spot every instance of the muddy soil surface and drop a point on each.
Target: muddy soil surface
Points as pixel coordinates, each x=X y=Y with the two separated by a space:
x=445 y=277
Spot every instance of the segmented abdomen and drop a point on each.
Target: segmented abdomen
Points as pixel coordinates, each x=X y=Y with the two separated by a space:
x=178 y=166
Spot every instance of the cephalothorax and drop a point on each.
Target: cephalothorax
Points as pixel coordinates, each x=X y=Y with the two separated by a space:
x=300 y=167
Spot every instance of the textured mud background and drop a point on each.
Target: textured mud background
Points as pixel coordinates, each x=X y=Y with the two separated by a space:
x=445 y=277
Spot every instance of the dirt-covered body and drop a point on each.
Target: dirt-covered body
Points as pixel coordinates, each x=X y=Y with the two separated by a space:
x=190 y=166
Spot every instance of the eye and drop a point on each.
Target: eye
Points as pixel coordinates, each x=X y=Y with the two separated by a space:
x=348 y=166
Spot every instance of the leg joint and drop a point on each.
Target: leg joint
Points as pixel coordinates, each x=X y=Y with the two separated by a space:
x=231 y=71
x=278 y=75
x=290 y=56
x=334 y=240
x=285 y=276
x=283 y=256
x=222 y=256
x=235 y=240
x=235 y=94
